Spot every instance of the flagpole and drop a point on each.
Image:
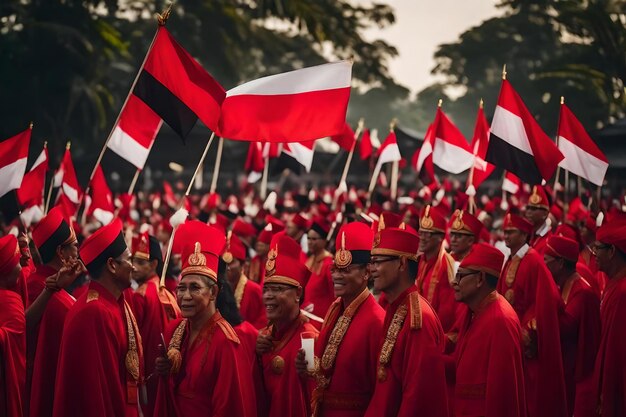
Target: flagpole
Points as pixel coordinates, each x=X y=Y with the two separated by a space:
x=346 y=167
x=162 y=20
x=216 y=168
x=131 y=189
x=263 y=191
x=558 y=168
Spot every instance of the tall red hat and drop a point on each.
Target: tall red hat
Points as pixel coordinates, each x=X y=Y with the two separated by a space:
x=107 y=242
x=485 y=258
x=538 y=198
x=52 y=231
x=283 y=264
x=277 y=224
x=513 y=221
x=390 y=219
x=141 y=246
x=266 y=235
x=9 y=254
x=562 y=247
x=242 y=228
x=395 y=241
x=300 y=221
x=234 y=249
x=321 y=226
x=201 y=254
x=353 y=244
x=432 y=221
x=465 y=223
x=613 y=232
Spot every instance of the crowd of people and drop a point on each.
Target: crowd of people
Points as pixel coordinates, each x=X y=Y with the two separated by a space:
x=430 y=305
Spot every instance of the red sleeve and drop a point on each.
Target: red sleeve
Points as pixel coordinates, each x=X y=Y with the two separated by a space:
x=12 y=353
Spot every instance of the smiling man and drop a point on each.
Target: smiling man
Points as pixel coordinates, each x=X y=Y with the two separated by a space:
x=465 y=230
x=537 y=211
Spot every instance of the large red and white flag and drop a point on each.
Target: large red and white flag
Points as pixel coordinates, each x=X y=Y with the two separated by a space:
x=345 y=139
x=365 y=145
x=388 y=151
x=134 y=134
x=451 y=152
x=100 y=203
x=480 y=142
x=13 y=158
x=296 y=106
x=31 y=191
x=582 y=156
x=422 y=160
x=517 y=143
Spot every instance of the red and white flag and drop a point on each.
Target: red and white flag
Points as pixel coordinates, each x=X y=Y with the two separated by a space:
x=511 y=183
x=134 y=134
x=255 y=162
x=345 y=139
x=66 y=179
x=388 y=151
x=365 y=145
x=517 y=143
x=301 y=152
x=100 y=203
x=422 y=160
x=31 y=191
x=451 y=152
x=296 y=106
x=13 y=158
x=480 y=142
x=582 y=156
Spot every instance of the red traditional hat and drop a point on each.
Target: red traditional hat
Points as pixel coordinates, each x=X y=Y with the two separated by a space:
x=266 y=235
x=234 y=249
x=556 y=211
x=395 y=241
x=141 y=246
x=571 y=232
x=107 y=242
x=390 y=219
x=485 y=258
x=538 y=198
x=9 y=254
x=320 y=226
x=242 y=228
x=432 y=221
x=52 y=231
x=277 y=225
x=613 y=232
x=562 y=247
x=353 y=244
x=201 y=254
x=300 y=221
x=465 y=223
x=283 y=264
x=513 y=221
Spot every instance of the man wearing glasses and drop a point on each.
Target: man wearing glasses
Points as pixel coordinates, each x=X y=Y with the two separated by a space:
x=489 y=371
x=410 y=375
x=610 y=368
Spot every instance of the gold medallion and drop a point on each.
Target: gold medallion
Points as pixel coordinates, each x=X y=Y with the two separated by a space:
x=343 y=258
x=227 y=257
x=534 y=198
x=277 y=365
x=381 y=374
x=427 y=222
x=458 y=224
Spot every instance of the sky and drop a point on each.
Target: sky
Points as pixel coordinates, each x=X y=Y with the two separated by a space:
x=422 y=25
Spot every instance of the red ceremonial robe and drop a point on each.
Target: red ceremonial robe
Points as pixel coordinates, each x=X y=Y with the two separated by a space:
x=12 y=353
x=413 y=382
x=248 y=334
x=256 y=271
x=47 y=353
x=580 y=338
x=433 y=281
x=610 y=369
x=36 y=282
x=599 y=278
x=92 y=379
x=249 y=298
x=489 y=373
x=320 y=290
x=355 y=360
x=214 y=378
x=282 y=392
x=539 y=239
x=152 y=317
x=529 y=287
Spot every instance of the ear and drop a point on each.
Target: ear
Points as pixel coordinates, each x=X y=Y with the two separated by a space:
x=299 y=291
x=403 y=263
x=368 y=274
x=111 y=265
x=154 y=263
x=482 y=279
x=214 y=290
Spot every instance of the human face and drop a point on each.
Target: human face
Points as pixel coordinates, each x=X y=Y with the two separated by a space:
x=261 y=248
x=554 y=265
x=537 y=216
x=464 y=284
x=281 y=301
x=123 y=269
x=429 y=241
x=143 y=269
x=603 y=253
x=514 y=238
x=194 y=294
x=460 y=243
x=292 y=230
x=69 y=251
x=233 y=271
x=350 y=281
x=316 y=242
x=384 y=272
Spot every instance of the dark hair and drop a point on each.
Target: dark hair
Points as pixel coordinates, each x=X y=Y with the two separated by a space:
x=569 y=265
x=412 y=268
x=225 y=302
x=492 y=280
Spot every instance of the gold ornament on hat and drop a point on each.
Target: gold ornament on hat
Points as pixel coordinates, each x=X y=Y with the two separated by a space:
x=227 y=256
x=381 y=226
x=535 y=198
x=270 y=265
x=343 y=257
x=427 y=221
x=197 y=258
x=458 y=221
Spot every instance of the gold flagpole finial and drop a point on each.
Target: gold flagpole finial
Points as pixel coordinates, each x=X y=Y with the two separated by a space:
x=30 y=125
x=67 y=145
x=162 y=17
x=392 y=124
x=481 y=103
x=504 y=72
x=562 y=100
x=439 y=103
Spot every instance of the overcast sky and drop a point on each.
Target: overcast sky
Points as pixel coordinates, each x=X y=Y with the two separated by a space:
x=422 y=25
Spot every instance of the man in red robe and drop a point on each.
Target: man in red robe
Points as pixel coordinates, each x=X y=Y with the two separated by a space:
x=537 y=211
x=435 y=271
x=319 y=293
x=465 y=230
x=410 y=367
x=100 y=369
x=152 y=306
x=205 y=371
x=580 y=324
x=248 y=294
x=527 y=285
x=348 y=344
x=610 y=367
x=256 y=271
x=489 y=370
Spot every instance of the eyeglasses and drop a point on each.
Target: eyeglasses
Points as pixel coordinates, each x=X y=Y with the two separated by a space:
x=193 y=289
x=275 y=289
x=459 y=276
x=598 y=246
x=377 y=262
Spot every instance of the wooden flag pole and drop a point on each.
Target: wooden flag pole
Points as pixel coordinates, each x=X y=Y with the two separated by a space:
x=131 y=189
x=395 y=167
x=346 y=167
x=558 y=168
x=263 y=191
x=216 y=168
